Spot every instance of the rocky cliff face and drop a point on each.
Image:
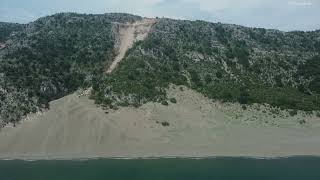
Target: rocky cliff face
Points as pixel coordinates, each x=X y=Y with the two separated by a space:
x=56 y=55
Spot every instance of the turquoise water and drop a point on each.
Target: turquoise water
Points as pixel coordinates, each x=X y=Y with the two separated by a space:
x=297 y=168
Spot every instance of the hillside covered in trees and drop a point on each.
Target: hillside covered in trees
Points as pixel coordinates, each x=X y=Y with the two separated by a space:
x=56 y=55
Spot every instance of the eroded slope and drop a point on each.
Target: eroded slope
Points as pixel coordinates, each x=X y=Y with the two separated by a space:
x=126 y=35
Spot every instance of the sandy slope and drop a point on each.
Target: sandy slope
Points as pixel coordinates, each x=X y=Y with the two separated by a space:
x=75 y=128
x=127 y=35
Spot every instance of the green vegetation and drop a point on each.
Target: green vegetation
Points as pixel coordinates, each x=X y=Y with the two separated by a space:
x=53 y=57
x=173 y=100
x=293 y=112
x=244 y=107
x=218 y=61
x=6 y=29
x=58 y=54
x=165 y=124
x=302 y=121
x=165 y=103
x=311 y=70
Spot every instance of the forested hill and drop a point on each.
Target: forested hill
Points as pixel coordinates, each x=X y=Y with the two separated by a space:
x=56 y=55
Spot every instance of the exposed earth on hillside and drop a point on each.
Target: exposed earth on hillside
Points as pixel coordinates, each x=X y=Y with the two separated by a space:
x=128 y=34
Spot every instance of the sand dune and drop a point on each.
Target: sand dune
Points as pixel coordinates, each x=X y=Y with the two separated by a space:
x=75 y=128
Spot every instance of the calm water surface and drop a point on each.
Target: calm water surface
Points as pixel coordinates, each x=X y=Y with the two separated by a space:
x=297 y=168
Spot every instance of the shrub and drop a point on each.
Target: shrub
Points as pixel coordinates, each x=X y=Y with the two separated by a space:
x=302 y=121
x=243 y=99
x=244 y=96
x=208 y=79
x=115 y=107
x=165 y=123
x=293 y=113
x=219 y=74
x=165 y=103
x=195 y=78
x=244 y=107
x=315 y=85
x=173 y=100
x=275 y=111
x=227 y=95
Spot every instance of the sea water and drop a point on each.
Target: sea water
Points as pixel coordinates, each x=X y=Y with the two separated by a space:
x=294 y=168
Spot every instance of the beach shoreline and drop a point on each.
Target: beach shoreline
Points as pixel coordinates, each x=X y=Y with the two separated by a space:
x=43 y=158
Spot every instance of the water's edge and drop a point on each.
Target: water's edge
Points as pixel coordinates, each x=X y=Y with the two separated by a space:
x=163 y=157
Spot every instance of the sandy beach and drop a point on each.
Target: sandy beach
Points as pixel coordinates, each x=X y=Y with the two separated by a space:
x=75 y=128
